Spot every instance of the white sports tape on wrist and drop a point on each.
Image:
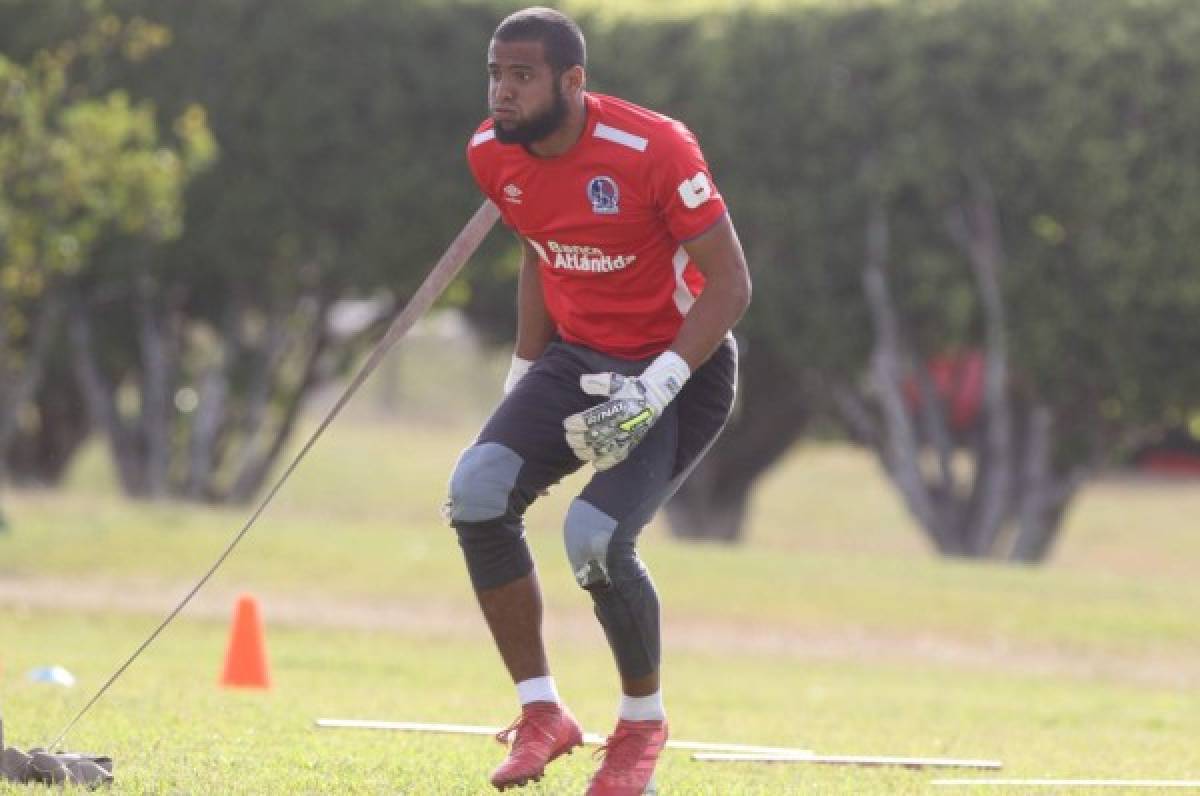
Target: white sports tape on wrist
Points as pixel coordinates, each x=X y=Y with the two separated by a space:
x=516 y=370
x=664 y=378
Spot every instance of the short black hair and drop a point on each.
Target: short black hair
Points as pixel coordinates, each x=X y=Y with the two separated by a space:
x=560 y=36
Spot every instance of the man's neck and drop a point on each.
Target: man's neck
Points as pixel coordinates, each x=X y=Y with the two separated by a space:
x=561 y=140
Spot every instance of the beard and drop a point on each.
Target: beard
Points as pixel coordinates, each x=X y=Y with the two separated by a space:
x=538 y=127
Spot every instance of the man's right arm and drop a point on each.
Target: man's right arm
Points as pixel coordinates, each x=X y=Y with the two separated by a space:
x=535 y=328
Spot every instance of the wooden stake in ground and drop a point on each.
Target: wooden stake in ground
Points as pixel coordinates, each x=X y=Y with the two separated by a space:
x=1059 y=784
x=588 y=738
x=847 y=760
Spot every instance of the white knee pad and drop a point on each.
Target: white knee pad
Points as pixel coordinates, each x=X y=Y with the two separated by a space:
x=587 y=533
x=482 y=482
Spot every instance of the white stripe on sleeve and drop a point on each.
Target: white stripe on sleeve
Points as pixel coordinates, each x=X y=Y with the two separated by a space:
x=620 y=137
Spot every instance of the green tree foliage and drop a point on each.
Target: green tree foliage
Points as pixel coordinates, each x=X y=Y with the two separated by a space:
x=1008 y=184
x=341 y=177
x=73 y=167
x=919 y=180
x=918 y=183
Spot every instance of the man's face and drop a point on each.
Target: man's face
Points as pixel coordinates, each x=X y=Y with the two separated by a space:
x=525 y=98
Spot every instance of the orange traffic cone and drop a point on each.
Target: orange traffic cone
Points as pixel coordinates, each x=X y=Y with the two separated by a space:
x=246 y=656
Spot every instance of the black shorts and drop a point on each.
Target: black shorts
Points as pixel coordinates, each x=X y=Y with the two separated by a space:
x=529 y=422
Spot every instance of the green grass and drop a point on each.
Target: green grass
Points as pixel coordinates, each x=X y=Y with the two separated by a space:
x=171 y=729
x=828 y=547
x=833 y=627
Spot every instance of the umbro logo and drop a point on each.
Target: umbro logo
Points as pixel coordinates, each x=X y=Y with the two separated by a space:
x=512 y=194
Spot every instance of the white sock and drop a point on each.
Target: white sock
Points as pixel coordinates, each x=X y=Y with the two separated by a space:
x=537 y=689
x=647 y=708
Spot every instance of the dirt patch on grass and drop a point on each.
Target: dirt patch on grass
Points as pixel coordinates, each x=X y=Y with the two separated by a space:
x=446 y=619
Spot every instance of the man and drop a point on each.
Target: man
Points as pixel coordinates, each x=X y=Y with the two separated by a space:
x=631 y=279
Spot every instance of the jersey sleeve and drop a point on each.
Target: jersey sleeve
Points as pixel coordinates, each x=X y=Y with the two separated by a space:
x=686 y=195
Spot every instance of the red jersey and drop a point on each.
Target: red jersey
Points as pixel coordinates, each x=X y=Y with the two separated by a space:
x=607 y=219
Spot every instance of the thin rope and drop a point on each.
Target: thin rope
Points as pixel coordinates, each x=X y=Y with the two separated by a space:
x=456 y=256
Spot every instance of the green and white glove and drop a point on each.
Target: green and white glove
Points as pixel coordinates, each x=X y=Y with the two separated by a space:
x=604 y=434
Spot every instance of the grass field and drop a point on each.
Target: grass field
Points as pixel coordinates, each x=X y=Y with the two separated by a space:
x=832 y=628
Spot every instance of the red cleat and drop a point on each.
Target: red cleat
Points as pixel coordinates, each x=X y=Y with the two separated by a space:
x=543 y=731
x=630 y=754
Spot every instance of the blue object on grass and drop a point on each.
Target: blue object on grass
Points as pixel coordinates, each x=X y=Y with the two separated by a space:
x=55 y=675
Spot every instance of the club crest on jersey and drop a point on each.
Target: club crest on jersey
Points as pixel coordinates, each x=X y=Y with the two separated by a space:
x=604 y=196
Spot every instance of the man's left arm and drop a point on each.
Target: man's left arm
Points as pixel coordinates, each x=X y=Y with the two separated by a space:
x=726 y=294
x=693 y=211
x=606 y=433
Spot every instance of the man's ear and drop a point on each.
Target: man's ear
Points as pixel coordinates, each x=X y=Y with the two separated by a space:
x=573 y=79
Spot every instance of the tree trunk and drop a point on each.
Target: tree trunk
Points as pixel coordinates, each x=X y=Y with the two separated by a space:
x=697 y=514
x=1041 y=522
x=251 y=477
x=1043 y=497
x=157 y=407
x=256 y=402
x=207 y=420
x=99 y=397
x=39 y=456
x=898 y=444
x=712 y=502
x=1016 y=500
x=19 y=383
x=974 y=226
x=935 y=432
